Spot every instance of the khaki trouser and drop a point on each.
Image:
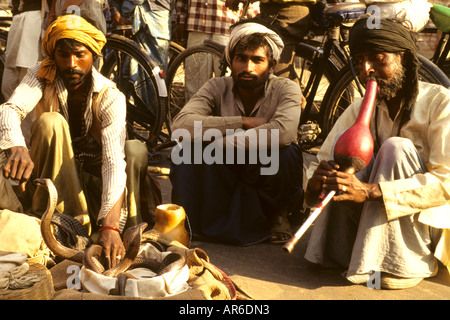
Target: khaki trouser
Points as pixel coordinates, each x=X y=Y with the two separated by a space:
x=79 y=185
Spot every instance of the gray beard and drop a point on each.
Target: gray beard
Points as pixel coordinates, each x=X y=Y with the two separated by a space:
x=388 y=89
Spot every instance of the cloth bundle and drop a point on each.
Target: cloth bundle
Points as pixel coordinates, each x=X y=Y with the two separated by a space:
x=416 y=12
x=146 y=284
x=198 y=280
x=13 y=269
x=21 y=233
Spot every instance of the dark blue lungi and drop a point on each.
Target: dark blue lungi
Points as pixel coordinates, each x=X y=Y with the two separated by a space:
x=235 y=203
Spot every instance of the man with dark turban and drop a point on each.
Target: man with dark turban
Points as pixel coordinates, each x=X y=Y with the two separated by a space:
x=77 y=139
x=389 y=223
x=228 y=198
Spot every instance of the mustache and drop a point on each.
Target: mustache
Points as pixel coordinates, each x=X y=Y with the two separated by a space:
x=72 y=72
x=246 y=74
x=389 y=88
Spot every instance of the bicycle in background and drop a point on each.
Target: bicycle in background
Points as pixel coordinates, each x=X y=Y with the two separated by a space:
x=323 y=69
x=440 y=15
x=143 y=83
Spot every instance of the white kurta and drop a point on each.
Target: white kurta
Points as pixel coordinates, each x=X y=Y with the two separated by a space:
x=421 y=197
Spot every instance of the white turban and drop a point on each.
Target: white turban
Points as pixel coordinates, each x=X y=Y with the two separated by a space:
x=244 y=29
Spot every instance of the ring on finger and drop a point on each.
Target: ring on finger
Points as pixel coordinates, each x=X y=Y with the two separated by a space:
x=344 y=188
x=119 y=257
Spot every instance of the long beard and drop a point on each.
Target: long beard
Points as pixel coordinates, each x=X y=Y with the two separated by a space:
x=387 y=89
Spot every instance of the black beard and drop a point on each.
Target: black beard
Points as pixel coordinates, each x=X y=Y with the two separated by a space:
x=73 y=82
x=255 y=83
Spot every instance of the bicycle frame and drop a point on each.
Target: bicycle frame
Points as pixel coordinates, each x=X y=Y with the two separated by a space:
x=442 y=50
x=5 y=21
x=124 y=32
x=321 y=56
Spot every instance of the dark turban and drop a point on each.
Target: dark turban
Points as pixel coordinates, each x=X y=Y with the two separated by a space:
x=389 y=36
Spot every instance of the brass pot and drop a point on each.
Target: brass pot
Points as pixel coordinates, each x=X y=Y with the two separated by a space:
x=170 y=219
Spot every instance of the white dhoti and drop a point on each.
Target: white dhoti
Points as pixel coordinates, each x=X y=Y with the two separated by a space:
x=360 y=237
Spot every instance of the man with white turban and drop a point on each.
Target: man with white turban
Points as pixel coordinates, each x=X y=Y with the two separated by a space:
x=293 y=19
x=250 y=113
x=242 y=30
x=77 y=139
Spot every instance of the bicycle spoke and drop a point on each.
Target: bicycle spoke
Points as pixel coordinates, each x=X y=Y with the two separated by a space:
x=188 y=72
x=132 y=71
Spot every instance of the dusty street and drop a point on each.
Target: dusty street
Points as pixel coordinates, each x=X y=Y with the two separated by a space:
x=267 y=273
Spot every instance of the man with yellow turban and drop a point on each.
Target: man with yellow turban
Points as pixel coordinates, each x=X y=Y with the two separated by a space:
x=228 y=198
x=77 y=139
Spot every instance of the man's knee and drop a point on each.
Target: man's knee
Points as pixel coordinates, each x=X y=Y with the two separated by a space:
x=48 y=126
x=398 y=158
x=284 y=161
x=397 y=146
x=48 y=121
x=136 y=153
x=291 y=158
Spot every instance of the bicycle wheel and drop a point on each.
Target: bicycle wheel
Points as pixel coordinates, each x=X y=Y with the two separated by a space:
x=174 y=51
x=141 y=81
x=307 y=62
x=188 y=72
x=344 y=91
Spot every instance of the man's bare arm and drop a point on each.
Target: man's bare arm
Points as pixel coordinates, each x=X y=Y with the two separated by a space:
x=110 y=239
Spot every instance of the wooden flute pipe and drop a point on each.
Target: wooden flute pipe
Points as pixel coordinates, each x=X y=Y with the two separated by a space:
x=289 y=246
x=352 y=152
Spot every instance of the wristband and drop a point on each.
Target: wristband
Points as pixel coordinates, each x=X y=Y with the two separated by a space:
x=108 y=228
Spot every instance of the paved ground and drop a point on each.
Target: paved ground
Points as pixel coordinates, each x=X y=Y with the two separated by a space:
x=267 y=273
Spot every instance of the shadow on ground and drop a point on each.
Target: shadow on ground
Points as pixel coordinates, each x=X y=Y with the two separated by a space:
x=267 y=273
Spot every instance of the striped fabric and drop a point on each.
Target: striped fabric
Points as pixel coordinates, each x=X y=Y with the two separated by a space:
x=112 y=112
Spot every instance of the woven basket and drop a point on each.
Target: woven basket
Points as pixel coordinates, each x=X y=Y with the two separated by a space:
x=41 y=290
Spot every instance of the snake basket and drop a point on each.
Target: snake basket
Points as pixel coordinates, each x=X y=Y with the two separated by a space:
x=41 y=290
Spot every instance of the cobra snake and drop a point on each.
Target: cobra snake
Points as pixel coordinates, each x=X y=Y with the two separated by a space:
x=90 y=257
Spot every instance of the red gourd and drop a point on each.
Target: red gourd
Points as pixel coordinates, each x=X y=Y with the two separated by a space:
x=354 y=148
x=353 y=151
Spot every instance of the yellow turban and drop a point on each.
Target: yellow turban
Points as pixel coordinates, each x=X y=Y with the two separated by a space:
x=68 y=27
